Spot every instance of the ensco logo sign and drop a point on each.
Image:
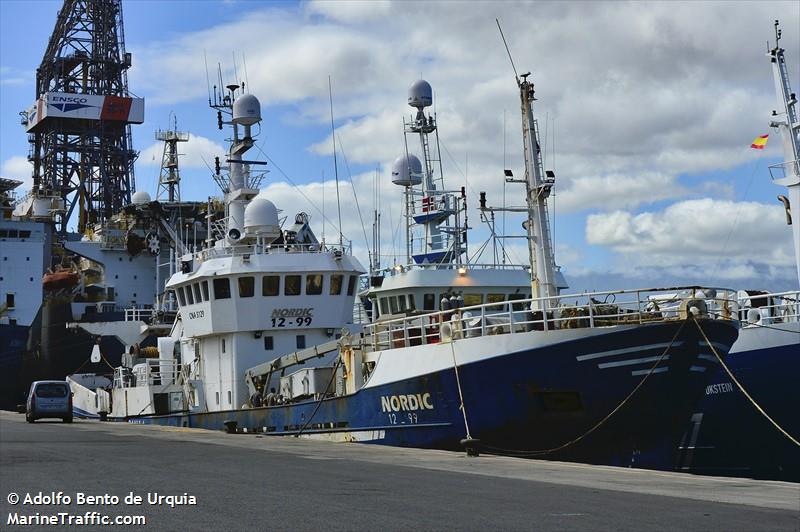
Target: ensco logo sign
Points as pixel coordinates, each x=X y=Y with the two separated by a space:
x=69 y=103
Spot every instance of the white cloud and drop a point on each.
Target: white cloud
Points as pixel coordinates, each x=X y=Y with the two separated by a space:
x=349 y=11
x=20 y=169
x=618 y=191
x=638 y=97
x=708 y=238
x=12 y=77
x=197 y=152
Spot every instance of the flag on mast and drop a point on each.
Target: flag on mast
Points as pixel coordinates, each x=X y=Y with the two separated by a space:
x=760 y=142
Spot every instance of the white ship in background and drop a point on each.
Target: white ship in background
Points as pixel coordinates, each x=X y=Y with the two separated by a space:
x=254 y=292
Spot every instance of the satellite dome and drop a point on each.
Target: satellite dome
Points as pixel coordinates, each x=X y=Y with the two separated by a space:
x=261 y=219
x=140 y=198
x=407 y=171
x=420 y=94
x=246 y=110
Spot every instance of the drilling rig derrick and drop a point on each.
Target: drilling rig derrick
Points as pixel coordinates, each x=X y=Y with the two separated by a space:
x=79 y=125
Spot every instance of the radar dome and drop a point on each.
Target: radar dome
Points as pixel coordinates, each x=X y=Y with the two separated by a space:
x=420 y=94
x=246 y=110
x=140 y=198
x=261 y=219
x=407 y=171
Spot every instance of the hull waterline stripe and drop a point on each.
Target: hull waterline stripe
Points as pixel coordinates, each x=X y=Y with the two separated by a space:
x=581 y=358
x=639 y=372
x=631 y=362
x=718 y=345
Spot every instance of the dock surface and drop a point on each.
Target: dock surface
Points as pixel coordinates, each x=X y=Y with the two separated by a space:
x=251 y=482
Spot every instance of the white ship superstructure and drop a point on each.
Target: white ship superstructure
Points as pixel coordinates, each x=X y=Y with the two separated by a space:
x=439 y=273
x=261 y=288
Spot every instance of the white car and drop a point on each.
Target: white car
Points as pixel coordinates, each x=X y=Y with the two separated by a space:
x=49 y=399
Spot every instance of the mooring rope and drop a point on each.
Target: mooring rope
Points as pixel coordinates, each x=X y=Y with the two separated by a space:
x=321 y=399
x=460 y=395
x=500 y=451
x=741 y=388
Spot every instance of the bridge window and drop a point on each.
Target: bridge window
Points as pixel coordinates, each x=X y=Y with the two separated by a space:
x=197 y=297
x=393 y=304
x=495 y=298
x=222 y=288
x=351 y=285
x=518 y=307
x=384 y=306
x=429 y=302
x=204 y=286
x=336 y=284
x=247 y=286
x=292 y=287
x=472 y=299
x=181 y=297
x=270 y=285
x=269 y=343
x=411 y=305
x=189 y=295
x=401 y=303
x=313 y=285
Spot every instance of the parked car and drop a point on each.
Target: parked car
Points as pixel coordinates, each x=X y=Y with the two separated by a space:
x=49 y=399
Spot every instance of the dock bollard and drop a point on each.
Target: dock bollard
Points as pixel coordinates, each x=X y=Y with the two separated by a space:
x=471 y=446
x=230 y=425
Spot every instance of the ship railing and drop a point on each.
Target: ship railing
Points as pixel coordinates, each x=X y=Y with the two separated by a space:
x=138 y=314
x=573 y=311
x=247 y=250
x=771 y=308
x=784 y=170
x=151 y=372
x=451 y=266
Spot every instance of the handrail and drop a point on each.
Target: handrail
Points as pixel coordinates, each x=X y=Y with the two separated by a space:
x=590 y=309
x=241 y=250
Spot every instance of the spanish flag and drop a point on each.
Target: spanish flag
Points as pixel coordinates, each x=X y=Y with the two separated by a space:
x=760 y=142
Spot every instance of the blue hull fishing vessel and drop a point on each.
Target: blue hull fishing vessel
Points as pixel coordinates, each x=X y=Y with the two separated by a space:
x=606 y=378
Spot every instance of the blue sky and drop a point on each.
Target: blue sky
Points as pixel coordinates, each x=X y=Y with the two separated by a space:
x=654 y=106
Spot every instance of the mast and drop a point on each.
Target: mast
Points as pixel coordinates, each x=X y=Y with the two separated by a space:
x=169 y=177
x=241 y=185
x=785 y=119
x=538 y=187
x=428 y=206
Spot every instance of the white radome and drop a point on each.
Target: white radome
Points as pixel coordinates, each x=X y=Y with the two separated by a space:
x=407 y=171
x=420 y=94
x=261 y=218
x=140 y=197
x=246 y=110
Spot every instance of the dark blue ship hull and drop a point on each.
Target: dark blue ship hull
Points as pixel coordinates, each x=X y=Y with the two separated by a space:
x=532 y=400
x=728 y=436
x=13 y=339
